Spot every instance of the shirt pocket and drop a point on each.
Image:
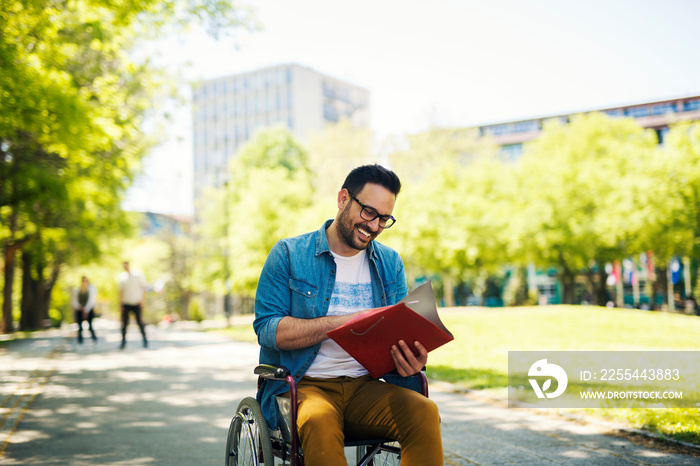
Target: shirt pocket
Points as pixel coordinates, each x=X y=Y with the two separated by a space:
x=304 y=297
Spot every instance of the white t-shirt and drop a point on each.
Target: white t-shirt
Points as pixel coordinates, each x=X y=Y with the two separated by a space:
x=352 y=292
x=132 y=285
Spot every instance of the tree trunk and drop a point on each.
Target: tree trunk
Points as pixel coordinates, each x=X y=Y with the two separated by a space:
x=449 y=292
x=9 y=274
x=599 y=284
x=567 y=282
x=522 y=292
x=670 y=295
x=47 y=289
x=619 y=285
x=29 y=319
x=659 y=285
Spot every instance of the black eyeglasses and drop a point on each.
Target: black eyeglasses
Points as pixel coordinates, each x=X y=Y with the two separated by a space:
x=369 y=214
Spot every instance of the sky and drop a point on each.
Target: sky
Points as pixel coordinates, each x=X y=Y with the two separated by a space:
x=446 y=63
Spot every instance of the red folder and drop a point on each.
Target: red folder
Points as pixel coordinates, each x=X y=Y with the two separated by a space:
x=369 y=337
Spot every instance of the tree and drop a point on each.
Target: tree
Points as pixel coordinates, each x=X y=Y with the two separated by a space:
x=333 y=152
x=578 y=184
x=446 y=225
x=269 y=191
x=269 y=197
x=71 y=116
x=671 y=209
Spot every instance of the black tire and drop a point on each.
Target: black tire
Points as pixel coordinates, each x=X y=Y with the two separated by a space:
x=248 y=437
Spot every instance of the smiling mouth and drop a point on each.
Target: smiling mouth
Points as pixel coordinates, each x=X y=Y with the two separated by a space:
x=364 y=233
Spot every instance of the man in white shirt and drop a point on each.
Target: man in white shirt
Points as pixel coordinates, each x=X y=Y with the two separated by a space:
x=132 y=290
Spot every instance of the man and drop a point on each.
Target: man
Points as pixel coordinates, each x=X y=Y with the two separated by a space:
x=132 y=290
x=316 y=282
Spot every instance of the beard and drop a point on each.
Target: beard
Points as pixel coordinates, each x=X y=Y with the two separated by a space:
x=347 y=230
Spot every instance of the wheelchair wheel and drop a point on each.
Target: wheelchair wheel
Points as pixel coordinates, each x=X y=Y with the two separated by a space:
x=248 y=441
x=388 y=455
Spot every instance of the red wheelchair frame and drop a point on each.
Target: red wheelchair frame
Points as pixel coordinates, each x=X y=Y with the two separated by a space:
x=249 y=436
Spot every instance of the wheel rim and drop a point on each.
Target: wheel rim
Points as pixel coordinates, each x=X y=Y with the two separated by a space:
x=248 y=442
x=243 y=450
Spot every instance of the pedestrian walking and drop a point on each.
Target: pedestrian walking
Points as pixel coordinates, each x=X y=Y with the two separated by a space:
x=132 y=291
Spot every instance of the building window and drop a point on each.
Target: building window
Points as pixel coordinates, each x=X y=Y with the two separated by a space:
x=637 y=112
x=330 y=113
x=498 y=130
x=662 y=109
x=525 y=126
x=691 y=105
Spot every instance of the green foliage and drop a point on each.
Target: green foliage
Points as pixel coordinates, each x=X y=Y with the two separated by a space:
x=333 y=153
x=577 y=184
x=270 y=187
x=584 y=194
x=74 y=98
x=277 y=189
x=211 y=266
x=196 y=312
x=271 y=148
x=450 y=213
x=673 y=202
x=56 y=317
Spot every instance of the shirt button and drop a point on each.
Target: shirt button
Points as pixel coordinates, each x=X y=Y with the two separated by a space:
x=308 y=293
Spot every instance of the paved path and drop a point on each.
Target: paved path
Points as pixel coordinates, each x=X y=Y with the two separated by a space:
x=171 y=404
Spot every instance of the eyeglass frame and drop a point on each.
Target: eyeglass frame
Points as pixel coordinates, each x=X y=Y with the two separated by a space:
x=364 y=207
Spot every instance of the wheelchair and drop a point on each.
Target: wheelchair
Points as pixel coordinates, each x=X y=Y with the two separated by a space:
x=251 y=442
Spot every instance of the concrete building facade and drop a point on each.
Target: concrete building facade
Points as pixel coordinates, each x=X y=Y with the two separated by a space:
x=228 y=110
x=656 y=115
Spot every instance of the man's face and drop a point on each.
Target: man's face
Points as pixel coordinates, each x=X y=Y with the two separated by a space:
x=357 y=232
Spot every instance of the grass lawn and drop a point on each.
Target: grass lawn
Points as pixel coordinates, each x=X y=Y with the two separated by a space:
x=478 y=357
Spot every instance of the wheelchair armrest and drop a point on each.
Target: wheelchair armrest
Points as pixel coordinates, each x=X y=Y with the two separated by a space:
x=272 y=371
x=417 y=382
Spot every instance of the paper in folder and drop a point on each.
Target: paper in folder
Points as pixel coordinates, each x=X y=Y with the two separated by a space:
x=369 y=337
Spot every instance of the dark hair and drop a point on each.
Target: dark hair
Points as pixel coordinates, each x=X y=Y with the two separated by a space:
x=376 y=174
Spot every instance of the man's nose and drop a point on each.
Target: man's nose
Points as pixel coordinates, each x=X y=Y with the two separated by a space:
x=374 y=224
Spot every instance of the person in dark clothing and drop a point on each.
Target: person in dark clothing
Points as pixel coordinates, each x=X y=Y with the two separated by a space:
x=83 y=301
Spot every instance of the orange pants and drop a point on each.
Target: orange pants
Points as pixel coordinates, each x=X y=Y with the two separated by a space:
x=331 y=409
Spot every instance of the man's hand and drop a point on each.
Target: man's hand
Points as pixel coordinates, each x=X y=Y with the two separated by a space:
x=406 y=362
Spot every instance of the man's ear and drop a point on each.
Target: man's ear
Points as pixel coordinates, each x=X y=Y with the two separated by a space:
x=343 y=198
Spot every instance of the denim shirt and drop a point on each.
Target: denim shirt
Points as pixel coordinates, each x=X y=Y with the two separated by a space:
x=297 y=280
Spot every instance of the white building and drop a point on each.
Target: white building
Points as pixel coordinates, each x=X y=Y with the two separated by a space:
x=228 y=110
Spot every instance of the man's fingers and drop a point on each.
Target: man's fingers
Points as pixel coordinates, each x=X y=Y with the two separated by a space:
x=407 y=363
